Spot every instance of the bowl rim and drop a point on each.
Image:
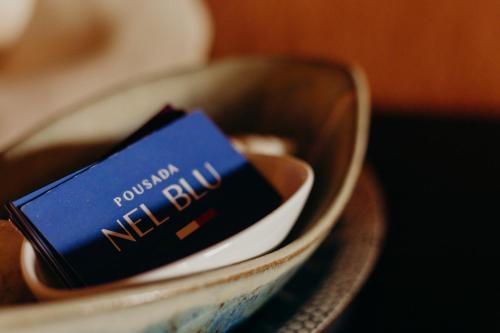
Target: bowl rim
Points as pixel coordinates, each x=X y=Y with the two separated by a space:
x=44 y=291
x=157 y=291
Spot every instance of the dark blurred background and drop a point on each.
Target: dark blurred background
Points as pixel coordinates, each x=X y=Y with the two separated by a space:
x=438 y=270
x=440 y=55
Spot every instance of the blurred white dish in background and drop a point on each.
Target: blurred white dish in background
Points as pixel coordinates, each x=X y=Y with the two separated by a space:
x=14 y=17
x=291 y=177
x=75 y=49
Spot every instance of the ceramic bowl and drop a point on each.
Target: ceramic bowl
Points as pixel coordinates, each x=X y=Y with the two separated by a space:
x=291 y=177
x=323 y=108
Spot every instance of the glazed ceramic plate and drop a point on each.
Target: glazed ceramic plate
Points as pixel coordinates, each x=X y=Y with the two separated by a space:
x=317 y=296
x=322 y=109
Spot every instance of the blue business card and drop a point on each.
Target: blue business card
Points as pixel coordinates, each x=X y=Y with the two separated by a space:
x=166 y=194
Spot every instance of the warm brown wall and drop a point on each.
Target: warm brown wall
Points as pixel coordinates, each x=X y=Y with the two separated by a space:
x=438 y=53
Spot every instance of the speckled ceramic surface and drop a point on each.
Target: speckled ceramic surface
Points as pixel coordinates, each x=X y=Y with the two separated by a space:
x=321 y=108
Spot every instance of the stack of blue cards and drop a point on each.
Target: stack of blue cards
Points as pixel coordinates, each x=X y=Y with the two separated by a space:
x=173 y=188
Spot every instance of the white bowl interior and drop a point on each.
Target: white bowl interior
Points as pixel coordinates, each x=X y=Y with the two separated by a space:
x=291 y=177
